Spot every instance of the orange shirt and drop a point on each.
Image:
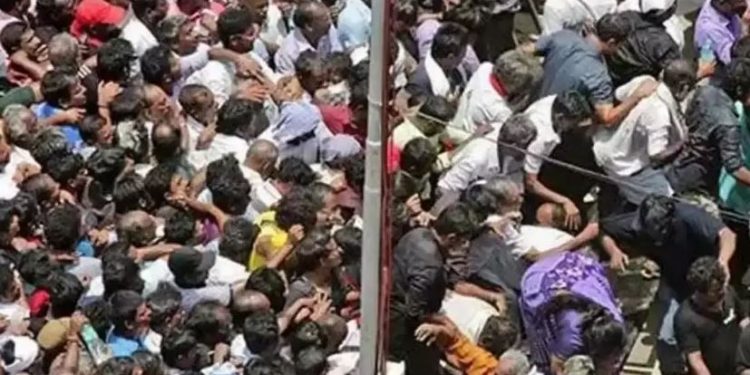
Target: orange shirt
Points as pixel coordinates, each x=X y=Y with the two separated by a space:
x=470 y=359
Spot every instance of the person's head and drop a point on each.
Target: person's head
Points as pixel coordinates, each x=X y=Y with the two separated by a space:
x=707 y=278
x=179 y=33
x=311 y=72
x=129 y=313
x=230 y=191
x=160 y=67
x=114 y=59
x=456 y=226
x=61 y=88
x=518 y=131
x=655 y=215
x=35 y=267
x=328 y=212
x=349 y=240
x=149 y=363
x=569 y=110
x=736 y=7
x=519 y=74
x=29 y=213
x=270 y=283
x=20 y=125
x=244 y=303
x=158 y=182
x=65 y=290
x=262 y=157
x=317 y=252
x=434 y=113
x=67 y=171
x=211 y=322
x=611 y=30
x=338 y=66
x=105 y=165
x=306 y=334
x=235 y=117
x=736 y=82
x=165 y=304
x=237 y=240
x=180 y=349
x=130 y=194
x=405 y=15
x=513 y=362
x=313 y=19
x=506 y=194
x=120 y=272
x=680 y=77
x=165 y=141
x=95 y=131
x=358 y=102
x=97 y=312
x=604 y=338
x=498 y=335
x=180 y=228
x=43 y=188
x=298 y=207
x=118 y=366
x=449 y=45
x=197 y=101
x=261 y=333
x=136 y=228
x=48 y=144
x=294 y=172
x=418 y=157
x=260 y=7
x=62 y=227
x=237 y=29
x=311 y=361
x=190 y=267
x=63 y=51
x=19 y=36
x=16 y=8
x=150 y=12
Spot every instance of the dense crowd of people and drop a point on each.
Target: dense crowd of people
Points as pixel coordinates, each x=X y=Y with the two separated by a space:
x=181 y=186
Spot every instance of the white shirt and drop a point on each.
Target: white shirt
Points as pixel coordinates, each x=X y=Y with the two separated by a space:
x=480 y=104
x=649 y=128
x=221 y=145
x=219 y=77
x=8 y=187
x=135 y=32
x=540 y=114
x=263 y=198
x=562 y=14
x=538 y=238
x=468 y=313
x=274 y=30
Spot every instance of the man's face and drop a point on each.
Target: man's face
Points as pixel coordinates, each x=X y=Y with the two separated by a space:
x=260 y=7
x=714 y=296
x=77 y=94
x=330 y=213
x=187 y=41
x=316 y=80
x=320 y=25
x=243 y=43
x=30 y=43
x=143 y=315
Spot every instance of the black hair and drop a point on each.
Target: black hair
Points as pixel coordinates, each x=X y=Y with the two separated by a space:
x=349 y=239
x=303 y=15
x=120 y=272
x=64 y=169
x=165 y=140
x=261 y=367
x=10 y=37
x=29 y=214
x=736 y=83
x=128 y=105
x=230 y=191
x=56 y=86
x=613 y=26
x=418 y=156
x=358 y=94
x=142 y=7
x=89 y=128
x=306 y=334
x=573 y=107
x=124 y=308
x=179 y=227
x=603 y=335
x=297 y=207
x=35 y=267
x=41 y=187
x=438 y=107
x=740 y=48
x=307 y=64
x=117 y=366
x=406 y=11
x=177 y=343
x=65 y=291
x=165 y=303
x=311 y=361
x=468 y=15
x=232 y=22
x=320 y=190
x=158 y=182
x=656 y=211
x=237 y=240
x=62 y=227
x=149 y=363
x=451 y=39
x=105 y=165
x=457 y=219
x=705 y=274
x=311 y=250
x=261 y=331
x=208 y=328
x=498 y=335
x=97 y=312
x=360 y=73
x=155 y=65
x=295 y=171
x=270 y=283
x=130 y=194
x=235 y=117
x=339 y=64
x=49 y=144
x=113 y=60
x=354 y=170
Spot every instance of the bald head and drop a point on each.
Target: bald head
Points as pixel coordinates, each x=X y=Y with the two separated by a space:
x=63 y=50
x=335 y=330
x=262 y=156
x=680 y=77
x=166 y=141
x=137 y=228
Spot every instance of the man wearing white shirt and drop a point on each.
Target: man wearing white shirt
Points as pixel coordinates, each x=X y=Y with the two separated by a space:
x=233 y=126
x=651 y=133
x=314 y=32
x=12 y=160
x=552 y=116
x=574 y=14
x=142 y=17
x=494 y=92
x=482 y=157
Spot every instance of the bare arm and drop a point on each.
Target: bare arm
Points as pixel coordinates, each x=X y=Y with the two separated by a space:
x=697 y=365
x=34 y=69
x=609 y=115
x=727 y=246
x=742 y=174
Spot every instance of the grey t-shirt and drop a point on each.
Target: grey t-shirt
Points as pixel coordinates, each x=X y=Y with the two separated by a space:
x=85 y=268
x=571 y=63
x=219 y=293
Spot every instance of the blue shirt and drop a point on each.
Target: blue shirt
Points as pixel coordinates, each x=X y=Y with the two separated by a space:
x=295 y=43
x=72 y=134
x=354 y=24
x=123 y=346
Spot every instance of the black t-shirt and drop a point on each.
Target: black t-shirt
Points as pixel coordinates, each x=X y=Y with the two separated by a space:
x=715 y=335
x=694 y=233
x=743 y=351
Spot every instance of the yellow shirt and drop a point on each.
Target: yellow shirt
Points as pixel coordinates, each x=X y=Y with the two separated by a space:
x=271 y=234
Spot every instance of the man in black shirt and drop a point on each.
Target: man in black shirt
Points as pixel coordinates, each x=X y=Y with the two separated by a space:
x=419 y=282
x=708 y=323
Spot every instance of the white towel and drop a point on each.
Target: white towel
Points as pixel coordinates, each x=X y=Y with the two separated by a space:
x=438 y=80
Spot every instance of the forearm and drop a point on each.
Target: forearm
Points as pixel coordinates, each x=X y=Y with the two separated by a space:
x=727 y=245
x=277 y=259
x=697 y=365
x=613 y=115
x=209 y=209
x=588 y=234
x=156 y=251
x=610 y=246
x=473 y=290
x=742 y=175
x=537 y=188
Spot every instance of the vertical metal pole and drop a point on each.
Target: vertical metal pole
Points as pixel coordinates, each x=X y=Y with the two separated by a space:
x=371 y=269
